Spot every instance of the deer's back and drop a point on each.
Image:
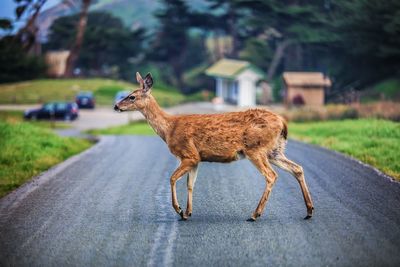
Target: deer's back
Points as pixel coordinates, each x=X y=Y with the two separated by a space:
x=223 y=137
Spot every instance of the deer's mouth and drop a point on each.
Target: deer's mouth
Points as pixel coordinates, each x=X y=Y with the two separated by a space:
x=116 y=108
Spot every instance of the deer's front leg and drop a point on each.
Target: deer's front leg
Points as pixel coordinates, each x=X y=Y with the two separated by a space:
x=184 y=167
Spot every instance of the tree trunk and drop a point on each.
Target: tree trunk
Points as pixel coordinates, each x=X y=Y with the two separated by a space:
x=233 y=31
x=28 y=34
x=76 y=47
x=278 y=55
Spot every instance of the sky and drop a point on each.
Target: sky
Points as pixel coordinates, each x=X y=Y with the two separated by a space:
x=7 y=7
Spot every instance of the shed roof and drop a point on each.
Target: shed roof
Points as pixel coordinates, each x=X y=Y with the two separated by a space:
x=231 y=68
x=306 y=79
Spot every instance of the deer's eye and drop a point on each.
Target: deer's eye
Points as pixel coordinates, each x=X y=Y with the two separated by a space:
x=132 y=98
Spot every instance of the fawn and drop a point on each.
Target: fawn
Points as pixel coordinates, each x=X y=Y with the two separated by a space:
x=257 y=134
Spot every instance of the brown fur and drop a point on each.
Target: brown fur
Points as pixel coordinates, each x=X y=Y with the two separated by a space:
x=257 y=134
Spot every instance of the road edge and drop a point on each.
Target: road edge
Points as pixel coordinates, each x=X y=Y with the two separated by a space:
x=337 y=153
x=13 y=198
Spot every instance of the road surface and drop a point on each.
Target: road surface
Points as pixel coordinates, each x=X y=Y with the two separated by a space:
x=111 y=207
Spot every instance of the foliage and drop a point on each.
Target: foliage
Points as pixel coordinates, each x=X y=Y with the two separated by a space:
x=107 y=42
x=16 y=64
x=28 y=150
x=172 y=44
x=380 y=110
x=390 y=88
x=372 y=141
x=257 y=52
x=368 y=33
x=39 y=91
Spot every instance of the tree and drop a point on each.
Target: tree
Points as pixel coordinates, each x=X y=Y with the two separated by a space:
x=27 y=35
x=287 y=24
x=76 y=46
x=107 y=42
x=368 y=45
x=227 y=20
x=170 y=42
x=16 y=64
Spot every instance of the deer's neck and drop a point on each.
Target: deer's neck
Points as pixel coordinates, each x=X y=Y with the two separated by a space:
x=158 y=119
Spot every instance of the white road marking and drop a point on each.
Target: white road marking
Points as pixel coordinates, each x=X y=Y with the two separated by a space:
x=161 y=253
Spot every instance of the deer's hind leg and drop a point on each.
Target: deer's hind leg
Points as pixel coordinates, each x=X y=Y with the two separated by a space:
x=280 y=160
x=260 y=161
x=191 y=180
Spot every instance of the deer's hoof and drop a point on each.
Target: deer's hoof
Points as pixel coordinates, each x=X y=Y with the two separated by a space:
x=183 y=217
x=308 y=217
x=251 y=219
x=309 y=213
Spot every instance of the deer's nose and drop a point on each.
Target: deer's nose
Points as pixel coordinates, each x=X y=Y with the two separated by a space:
x=116 y=108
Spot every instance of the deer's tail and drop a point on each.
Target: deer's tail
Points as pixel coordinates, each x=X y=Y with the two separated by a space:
x=284 y=132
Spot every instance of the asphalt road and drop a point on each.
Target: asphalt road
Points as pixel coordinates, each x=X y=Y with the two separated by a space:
x=111 y=207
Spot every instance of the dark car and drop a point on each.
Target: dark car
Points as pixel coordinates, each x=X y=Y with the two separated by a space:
x=85 y=100
x=54 y=110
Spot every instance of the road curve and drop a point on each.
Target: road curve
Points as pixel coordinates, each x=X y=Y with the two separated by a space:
x=111 y=206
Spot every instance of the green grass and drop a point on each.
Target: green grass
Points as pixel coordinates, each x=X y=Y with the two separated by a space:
x=27 y=150
x=15 y=116
x=39 y=91
x=372 y=141
x=137 y=128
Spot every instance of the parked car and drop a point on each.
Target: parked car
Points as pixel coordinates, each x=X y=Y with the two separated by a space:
x=57 y=110
x=85 y=100
x=121 y=95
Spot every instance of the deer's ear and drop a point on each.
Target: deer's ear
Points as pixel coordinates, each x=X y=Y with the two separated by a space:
x=139 y=79
x=147 y=82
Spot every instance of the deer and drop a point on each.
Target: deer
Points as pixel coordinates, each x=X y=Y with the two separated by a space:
x=258 y=135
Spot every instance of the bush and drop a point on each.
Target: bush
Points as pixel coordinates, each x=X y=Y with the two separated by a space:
x=381 y=110
x=16 y=64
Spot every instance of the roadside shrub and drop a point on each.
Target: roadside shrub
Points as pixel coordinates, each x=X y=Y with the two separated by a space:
x=381 y=110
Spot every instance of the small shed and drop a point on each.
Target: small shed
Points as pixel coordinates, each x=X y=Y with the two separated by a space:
x=56 y=62
x=306 y=88
x=236 y=81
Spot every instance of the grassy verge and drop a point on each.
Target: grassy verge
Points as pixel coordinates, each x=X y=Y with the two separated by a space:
x=39 y=91
x=137 y=128
x=16 y=116
x=372 y=141
x=27 y=150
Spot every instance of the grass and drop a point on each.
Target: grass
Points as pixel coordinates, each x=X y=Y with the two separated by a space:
x=137 y=128
x=39 y=91
x=372 y=141
x=14 y=116
x=27 y=150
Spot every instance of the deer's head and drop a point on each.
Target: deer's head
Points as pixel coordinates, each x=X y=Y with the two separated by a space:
x=139 y=98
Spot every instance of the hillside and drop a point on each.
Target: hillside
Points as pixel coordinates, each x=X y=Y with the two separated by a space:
x=134 y=13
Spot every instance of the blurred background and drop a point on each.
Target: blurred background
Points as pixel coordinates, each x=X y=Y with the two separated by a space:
x=321 y=60
x=354 y=45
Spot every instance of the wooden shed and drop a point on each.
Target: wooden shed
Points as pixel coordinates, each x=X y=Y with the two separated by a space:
x=306 y=88
x=56 y=62
x=236 y=81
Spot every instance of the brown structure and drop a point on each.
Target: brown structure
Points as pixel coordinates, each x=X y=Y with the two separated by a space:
x=307 y=88
x=256 y=134
x=56 y=62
